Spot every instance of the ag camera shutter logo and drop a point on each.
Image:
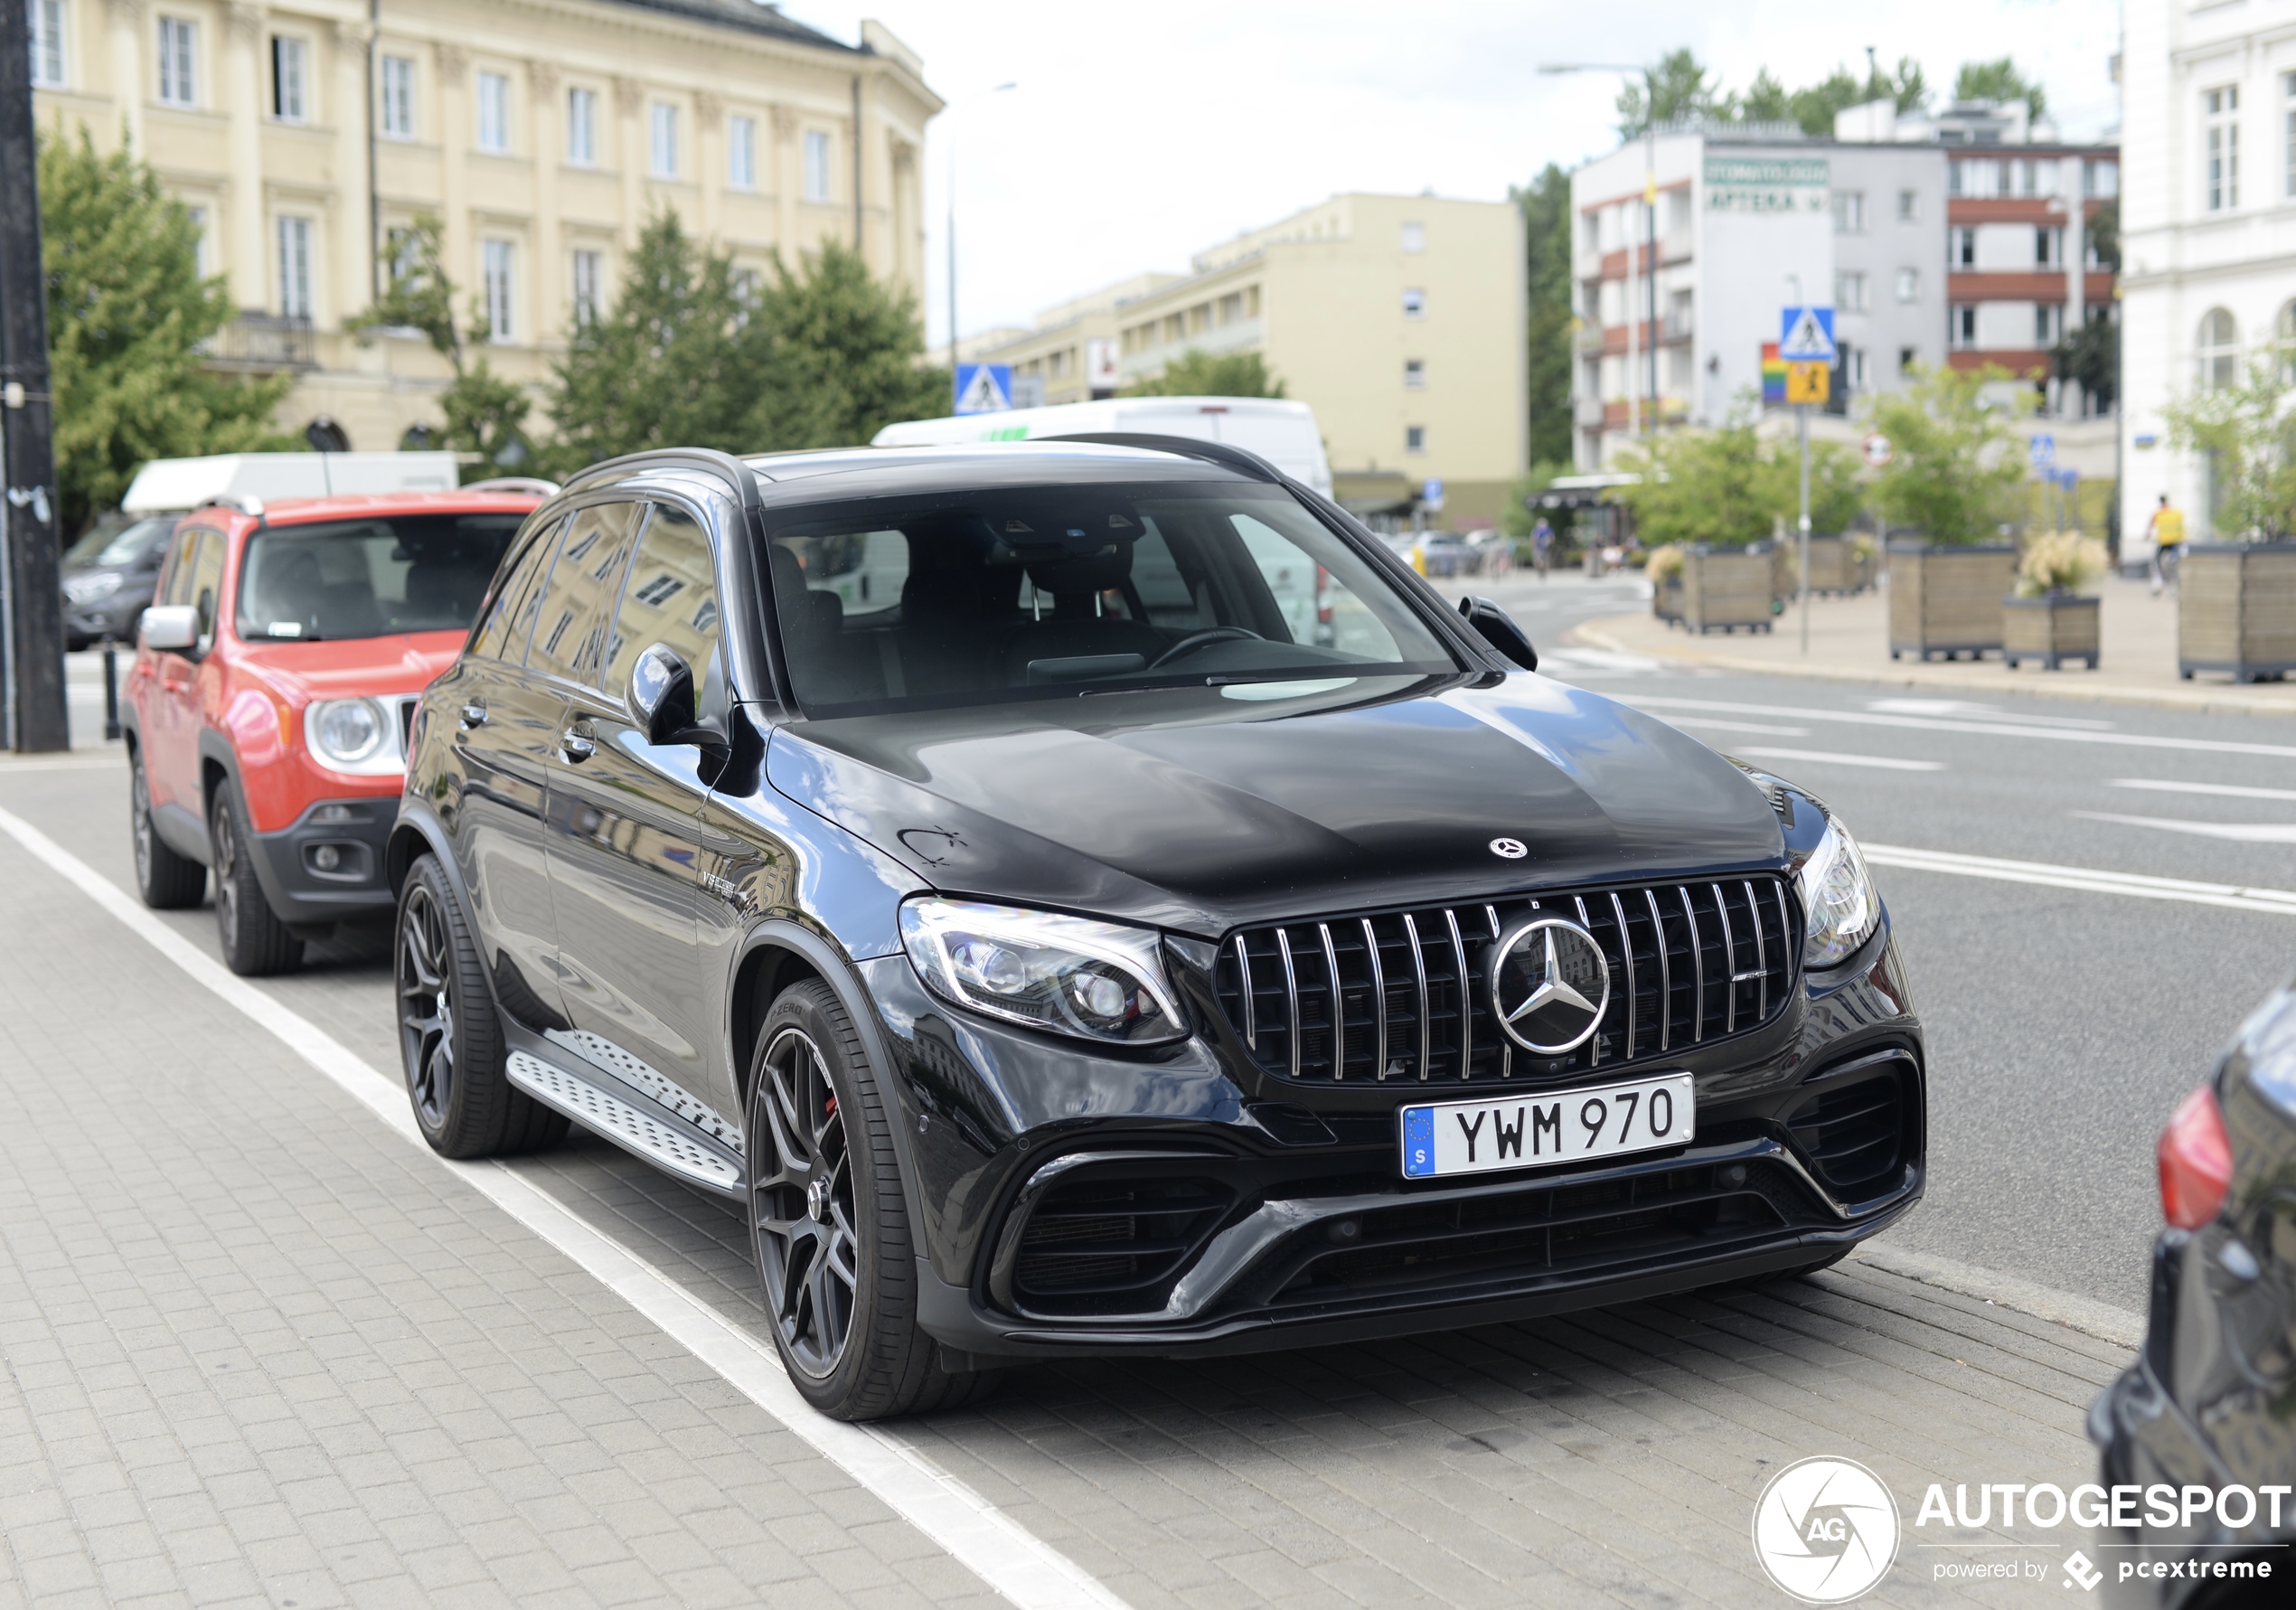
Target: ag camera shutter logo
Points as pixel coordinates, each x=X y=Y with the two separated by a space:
x=1826 y=1531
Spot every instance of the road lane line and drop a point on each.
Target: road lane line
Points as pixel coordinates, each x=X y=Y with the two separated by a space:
x=2278 y=902
x=2228 y=790
x=1720 y=725
x=2239 y=833
x=2141 y=740
x=1834 y=758
x=1012 y=1560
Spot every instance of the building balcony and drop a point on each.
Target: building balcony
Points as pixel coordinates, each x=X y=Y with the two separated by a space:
x=264 y=343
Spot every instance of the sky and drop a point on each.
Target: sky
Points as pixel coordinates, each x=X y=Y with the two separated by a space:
x=1139 y=134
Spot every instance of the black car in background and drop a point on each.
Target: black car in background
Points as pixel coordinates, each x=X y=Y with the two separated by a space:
x=109 y=576
x=1090 y=897
x=2210 y=1403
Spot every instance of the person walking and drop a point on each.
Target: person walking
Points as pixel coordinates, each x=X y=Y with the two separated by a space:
x=2167 y=530
x=1542 y=546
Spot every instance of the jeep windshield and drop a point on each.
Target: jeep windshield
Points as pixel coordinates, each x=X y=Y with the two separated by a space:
x=984 y=598
x=369 y=578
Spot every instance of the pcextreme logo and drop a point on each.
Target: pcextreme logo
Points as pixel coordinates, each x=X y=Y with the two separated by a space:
x=1826 y=1531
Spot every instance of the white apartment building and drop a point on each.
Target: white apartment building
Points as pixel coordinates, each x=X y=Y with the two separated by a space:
x=2207 y=226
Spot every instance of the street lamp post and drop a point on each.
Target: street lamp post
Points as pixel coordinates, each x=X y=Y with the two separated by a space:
x=950 y=127
x=1650 y=420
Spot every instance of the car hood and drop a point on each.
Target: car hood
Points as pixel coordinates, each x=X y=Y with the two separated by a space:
x=407 y=663
x=1201 y=809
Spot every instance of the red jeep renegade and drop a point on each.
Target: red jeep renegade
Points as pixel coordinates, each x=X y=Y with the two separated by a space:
x=266 y=712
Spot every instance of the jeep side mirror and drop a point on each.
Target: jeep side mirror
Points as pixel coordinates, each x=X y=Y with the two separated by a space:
x=174 y=627
x=1497 y=628
x=662 y=700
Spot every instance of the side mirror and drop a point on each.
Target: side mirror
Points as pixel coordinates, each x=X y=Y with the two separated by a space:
x=171 y=627
x=662 y=700
x=1497 y=628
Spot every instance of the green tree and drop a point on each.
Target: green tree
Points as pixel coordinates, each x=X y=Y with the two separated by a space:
x=2104 y=233
x=1708 y=486
x=1518 y=517
x=1767 y=99
x=2248 y=435
x=485 y=413
x=1199 y=373
x=1838 y=486
x=1679 y=90
x=836 y=352
x=2001 y=81
x=127 y=316
x=1955 y=470
x=1547 y=220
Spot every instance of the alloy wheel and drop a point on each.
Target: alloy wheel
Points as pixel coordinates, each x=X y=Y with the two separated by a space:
x=801 y=1202
x=425 y=1007
x=227 y=865
x=139 y=815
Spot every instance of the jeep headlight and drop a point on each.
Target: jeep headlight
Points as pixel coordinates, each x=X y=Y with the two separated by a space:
x=353 y=735
x=1838 y=898
x=1069 y=975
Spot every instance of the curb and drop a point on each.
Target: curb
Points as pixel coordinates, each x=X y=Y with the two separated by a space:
x=2103 y=1321
x=2228 y=702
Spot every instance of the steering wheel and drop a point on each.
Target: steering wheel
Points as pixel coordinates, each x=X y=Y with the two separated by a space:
x=1196 y=640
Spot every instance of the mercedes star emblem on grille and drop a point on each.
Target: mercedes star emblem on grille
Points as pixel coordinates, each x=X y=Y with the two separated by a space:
x=1549 y=984
x=1509 y=849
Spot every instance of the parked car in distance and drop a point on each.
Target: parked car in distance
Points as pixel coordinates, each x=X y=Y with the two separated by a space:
x=109 y=576
x=2207 y=1404
x=1070 y=950
x=265 y=715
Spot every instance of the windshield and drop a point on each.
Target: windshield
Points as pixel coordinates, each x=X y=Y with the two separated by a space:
x=114 y=546
x=369 y=578
x=1047 y=592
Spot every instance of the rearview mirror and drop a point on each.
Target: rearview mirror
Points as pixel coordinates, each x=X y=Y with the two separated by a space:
x=171 y=627
x=662 y=700
x=1497 y=628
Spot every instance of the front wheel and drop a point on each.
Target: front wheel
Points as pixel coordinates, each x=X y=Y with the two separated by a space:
x=827 y=1221
x=256 y=943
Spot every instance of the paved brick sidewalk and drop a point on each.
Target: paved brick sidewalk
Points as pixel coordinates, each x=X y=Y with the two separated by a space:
x=256 y=1348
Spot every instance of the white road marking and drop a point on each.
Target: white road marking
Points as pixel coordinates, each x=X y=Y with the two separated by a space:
x=1966 y=709
x=2233 y=897
x=1721 y=725
x=1012 y=1560
x=2239 y=833
x=116 y=762
x=2229 y=790
x=2001 y=729
x=1832 y=758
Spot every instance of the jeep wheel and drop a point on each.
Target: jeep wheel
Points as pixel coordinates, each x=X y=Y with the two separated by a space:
x=166 y=880
x=256 y=943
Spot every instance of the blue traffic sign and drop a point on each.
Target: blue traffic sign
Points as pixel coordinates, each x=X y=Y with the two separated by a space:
x=984 y=388
x=1806 y=335
x=2044 y=450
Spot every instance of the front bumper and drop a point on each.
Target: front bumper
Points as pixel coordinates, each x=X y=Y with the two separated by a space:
x=1172 y=1203
x=302 y=889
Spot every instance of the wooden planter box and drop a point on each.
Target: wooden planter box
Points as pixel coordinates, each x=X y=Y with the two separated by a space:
x=1666 y=600
x=1833 y=568
x=2236 y=610
x=1947 y=600
x=2051 y=630
x=1726 y=588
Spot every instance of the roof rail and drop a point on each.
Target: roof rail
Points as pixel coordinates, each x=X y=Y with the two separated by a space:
x=242 y=502
x=531 y=485
x=1188 y=446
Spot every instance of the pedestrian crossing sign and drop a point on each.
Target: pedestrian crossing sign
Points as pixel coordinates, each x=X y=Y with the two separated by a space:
x=1809 y=382
x=984 y=388
x=1808 y=336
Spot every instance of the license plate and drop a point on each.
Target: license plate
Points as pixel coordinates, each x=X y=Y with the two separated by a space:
x=1475 y=1138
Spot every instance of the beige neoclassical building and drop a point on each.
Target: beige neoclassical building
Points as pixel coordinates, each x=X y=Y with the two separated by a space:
x=542 y=133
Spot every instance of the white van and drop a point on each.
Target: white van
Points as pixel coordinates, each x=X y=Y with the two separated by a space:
x=1282 y=433
x=169 y=486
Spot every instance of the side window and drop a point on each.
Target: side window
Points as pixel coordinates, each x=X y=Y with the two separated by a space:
x=175 y=586
x=588 y=569
x=494 y=639
x=205 y=589
x=671 y=599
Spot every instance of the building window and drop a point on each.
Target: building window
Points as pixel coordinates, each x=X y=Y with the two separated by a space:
x=1849 y=212
x=500 y=325
x=1415 y=438
x=47 y=44
x=198 y=215
x=589 y=280
x=1909 y=206
x=582 y=128
x=294 y=268
x=1414 y=303
x=741 y=152
x=2288 y=122
x=288 y=57
x=1849 y=291
x=493 y=112
x=2100 y=177
x=1415 y=374
x=1909 y=285
x=1976 y=178
x=178 y=46
x=1960 y=324
x=2220 y=140
x=1853 y=367
x=1414 y=237
x=1961 y=247
x=398 y=89
x=1906 y=358
x=816 y=165
x=2219 y=351
x=2048 y=246
x=664 y=144
x=2048 y=324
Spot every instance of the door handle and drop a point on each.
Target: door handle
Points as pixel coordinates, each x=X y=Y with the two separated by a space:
x=577 y=745
x=474 y=715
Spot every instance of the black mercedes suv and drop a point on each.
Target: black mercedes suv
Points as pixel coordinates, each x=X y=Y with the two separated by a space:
x=1090 y=897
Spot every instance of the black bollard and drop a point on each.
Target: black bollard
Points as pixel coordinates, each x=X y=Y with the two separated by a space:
x=111 y=693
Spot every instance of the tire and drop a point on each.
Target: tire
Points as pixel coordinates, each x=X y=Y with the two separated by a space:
x=450 y=1038
x=826 y=1217
x=166 y=880
x=256 y=943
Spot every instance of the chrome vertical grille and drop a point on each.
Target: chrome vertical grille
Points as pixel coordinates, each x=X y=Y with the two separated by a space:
x=1401 y=995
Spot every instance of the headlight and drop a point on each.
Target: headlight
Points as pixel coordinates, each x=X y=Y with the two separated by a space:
x=88 y=589
x=1071 y=975
x=1838 y=898
x=354 y=735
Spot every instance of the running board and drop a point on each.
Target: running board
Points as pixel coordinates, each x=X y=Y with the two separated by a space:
x=635 y=1131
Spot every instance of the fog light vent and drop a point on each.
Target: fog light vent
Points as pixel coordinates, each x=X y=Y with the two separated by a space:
x=1855 y=1135
x=1114 y=1246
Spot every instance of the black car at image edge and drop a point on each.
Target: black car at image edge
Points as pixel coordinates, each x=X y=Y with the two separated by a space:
x=1090 y=898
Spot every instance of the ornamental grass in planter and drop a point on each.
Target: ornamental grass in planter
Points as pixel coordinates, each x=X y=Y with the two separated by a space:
x=2047 y=618
x=1664 y=568
x=1947 y=600
x=2236 y=610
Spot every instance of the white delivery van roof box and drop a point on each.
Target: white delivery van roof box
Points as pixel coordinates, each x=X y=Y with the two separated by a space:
x=1284 y=433
x=165 y=485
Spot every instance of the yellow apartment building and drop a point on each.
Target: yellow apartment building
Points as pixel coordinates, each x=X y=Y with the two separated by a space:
x=1400 y=319
x=542 y=133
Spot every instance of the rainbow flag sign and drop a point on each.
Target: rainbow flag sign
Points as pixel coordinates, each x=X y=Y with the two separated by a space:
x=1773 y=375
